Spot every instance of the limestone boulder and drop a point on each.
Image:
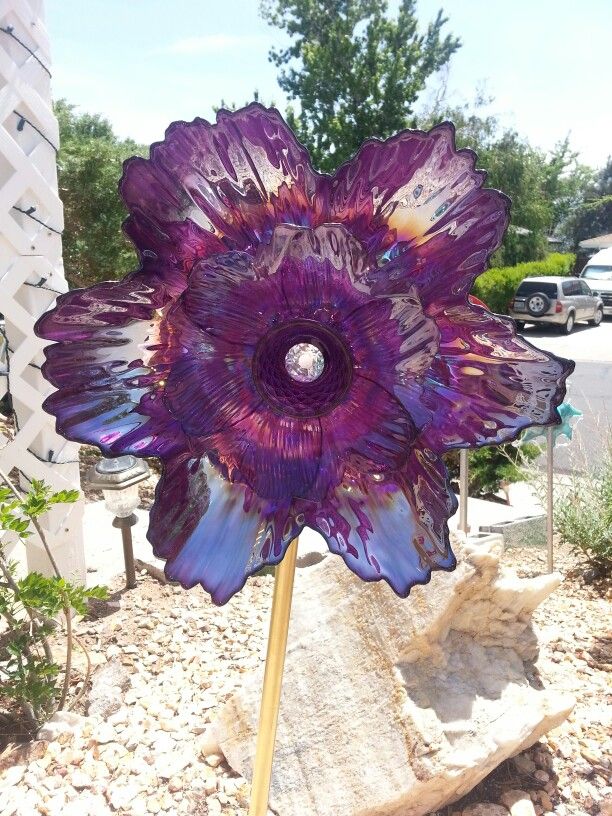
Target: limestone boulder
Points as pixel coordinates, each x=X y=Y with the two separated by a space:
x=397 y=707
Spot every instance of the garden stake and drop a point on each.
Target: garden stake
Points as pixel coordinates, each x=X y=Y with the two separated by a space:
x=463 y=491
x=273 y=679
x=550 y=446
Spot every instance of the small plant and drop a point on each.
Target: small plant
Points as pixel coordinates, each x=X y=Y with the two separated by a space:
x=583 y=516
x=494 y=467
x=32 y=607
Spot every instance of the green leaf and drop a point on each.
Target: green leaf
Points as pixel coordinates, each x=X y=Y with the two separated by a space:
x=355 y=70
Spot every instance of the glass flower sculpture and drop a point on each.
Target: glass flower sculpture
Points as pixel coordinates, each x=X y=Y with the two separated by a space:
x=298 y=348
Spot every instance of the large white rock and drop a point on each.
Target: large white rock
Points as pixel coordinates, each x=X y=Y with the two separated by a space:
x=396 y=707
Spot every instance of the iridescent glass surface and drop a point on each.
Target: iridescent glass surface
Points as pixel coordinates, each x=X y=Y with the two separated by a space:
x=298 y=349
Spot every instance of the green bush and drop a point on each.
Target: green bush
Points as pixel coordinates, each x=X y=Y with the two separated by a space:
x=492 y=467
x=583 y=516
x=497 y=286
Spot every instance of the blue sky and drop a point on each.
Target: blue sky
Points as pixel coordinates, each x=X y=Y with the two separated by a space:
x=145 y=63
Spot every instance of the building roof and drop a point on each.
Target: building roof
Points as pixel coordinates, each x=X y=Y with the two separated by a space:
x=519 y=230
x=600 y=242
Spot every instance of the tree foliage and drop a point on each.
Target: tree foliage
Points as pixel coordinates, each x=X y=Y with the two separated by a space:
x=591 y=219
x=592 y=216
x=89 y=168
x=545 y=187
x=602 y=184
x=566 y=184
x=355 y=71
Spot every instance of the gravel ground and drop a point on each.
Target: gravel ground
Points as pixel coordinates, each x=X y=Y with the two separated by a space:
x=185 y=656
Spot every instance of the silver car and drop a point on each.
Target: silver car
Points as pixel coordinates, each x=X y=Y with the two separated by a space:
x=557 y=300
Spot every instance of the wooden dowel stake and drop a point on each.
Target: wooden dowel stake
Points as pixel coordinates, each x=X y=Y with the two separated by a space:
x=273 y=680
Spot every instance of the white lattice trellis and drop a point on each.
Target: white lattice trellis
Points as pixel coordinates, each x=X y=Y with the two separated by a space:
x=31 y=273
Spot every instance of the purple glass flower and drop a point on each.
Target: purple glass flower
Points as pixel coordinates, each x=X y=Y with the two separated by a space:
x=298 y=348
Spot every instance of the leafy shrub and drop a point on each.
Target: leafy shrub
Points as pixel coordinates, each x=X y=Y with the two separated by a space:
x=31 y=609
x=583 y=515
x=493 y=466
x=497 y=286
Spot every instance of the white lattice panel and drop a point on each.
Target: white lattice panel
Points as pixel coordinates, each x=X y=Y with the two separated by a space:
x=31 y=273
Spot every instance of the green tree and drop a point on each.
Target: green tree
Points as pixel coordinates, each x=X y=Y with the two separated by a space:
x=89 y=168
x=590 y=220
x=354 y=70
x=545 y=188
x=566 y=183
x=593 y=215
x=519 y=170
x=602 y=184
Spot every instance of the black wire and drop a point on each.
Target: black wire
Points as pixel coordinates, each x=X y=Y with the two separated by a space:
x=40 y=285
x=13 y=414
x=51 y=460
x=23 y=119
x=29 y=212
x=7 y=374
x=11 y=32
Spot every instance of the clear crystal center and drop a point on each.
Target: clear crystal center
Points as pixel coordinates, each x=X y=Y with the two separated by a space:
x=304 y=362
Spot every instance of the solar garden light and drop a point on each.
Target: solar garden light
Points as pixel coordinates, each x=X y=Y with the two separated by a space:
x=118 y=480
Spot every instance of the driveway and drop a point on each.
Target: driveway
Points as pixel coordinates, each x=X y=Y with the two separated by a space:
x=589 y=387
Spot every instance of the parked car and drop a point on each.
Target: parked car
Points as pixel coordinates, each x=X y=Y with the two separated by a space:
x=556 y=300
x=598 y=274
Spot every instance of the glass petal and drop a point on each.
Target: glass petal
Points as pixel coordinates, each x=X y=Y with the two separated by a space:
x=226 y=298
x=395 y=529
x=235 y=179
x=369 y=430
x=413 y=187
x=444 y=267
x=487 y=384
x=109 y=369
x=391 y=339
x=278 y=457
x=119 y=421
x=169 y=251
x=210 y=388
x=426 y=485
x=320 y=269
x=214 y=533
x=81 y=313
